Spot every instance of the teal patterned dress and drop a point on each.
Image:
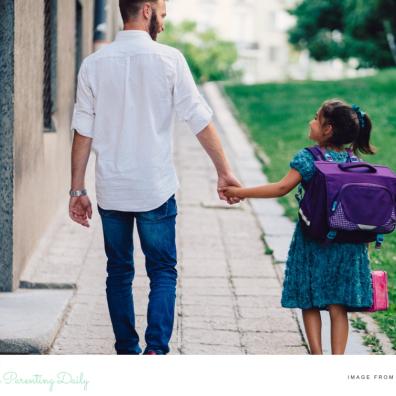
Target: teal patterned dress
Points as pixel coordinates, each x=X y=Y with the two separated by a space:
x=317 y=275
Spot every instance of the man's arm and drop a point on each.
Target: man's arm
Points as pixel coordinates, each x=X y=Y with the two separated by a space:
x=192 y=108
x=80 y=208
x=79 y=159
x=82 y=126
x=210 y=141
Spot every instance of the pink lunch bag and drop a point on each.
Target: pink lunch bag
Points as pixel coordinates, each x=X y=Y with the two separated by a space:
x=380 y=291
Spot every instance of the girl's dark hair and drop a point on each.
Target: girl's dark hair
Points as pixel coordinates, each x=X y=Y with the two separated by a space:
x=346 y=126
x=130 y=8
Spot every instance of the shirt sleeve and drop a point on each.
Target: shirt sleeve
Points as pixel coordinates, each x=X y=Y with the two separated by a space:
x=189 y=104
x=304 y=164
x=83 y=114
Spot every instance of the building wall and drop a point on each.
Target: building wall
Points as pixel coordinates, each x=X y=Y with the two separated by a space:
x=42 y=159
x=272 y=22
x=6 y=141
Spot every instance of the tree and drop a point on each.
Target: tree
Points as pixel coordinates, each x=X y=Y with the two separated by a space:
x=361 y=29
x=209 y=57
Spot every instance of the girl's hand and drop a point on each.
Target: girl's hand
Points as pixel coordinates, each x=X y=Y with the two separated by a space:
x=224 y=181
x=233 y=192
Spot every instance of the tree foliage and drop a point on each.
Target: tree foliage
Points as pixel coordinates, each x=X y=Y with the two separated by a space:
x=361 y=29
x=209 y=57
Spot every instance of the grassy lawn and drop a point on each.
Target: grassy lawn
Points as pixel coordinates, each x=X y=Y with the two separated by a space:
x=277 y=117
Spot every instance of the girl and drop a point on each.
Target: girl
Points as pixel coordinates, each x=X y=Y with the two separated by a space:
x=335 y=277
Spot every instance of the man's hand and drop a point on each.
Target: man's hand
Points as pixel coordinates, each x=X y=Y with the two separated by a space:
x=228 y=180
x=80 y=209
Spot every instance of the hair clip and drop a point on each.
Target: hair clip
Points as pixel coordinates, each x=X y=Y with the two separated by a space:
x=360 y=115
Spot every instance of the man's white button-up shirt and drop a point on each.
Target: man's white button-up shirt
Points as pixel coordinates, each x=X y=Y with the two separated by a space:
x=127 y=95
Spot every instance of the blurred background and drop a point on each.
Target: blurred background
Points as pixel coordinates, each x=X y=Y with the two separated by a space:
x=286 y=39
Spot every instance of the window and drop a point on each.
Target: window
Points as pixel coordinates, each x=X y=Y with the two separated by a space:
x=244 y=23
x=50 y=62
x=207 y=18
x=273 y=54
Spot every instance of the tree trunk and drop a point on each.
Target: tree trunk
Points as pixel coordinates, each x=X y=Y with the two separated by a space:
x=391 y=38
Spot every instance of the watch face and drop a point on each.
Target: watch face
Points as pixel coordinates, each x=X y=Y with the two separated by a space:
x=78 y=193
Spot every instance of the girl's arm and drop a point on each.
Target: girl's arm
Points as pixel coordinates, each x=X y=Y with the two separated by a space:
x=271 y=190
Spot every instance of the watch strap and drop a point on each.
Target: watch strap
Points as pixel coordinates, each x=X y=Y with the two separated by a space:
x=78 y=193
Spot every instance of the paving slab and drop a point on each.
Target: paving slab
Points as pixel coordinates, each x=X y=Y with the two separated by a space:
x=210 y=323
x=212 y=337
x=205 y=349
x=258 y=267
x=208 y=311
x=266 y=324
x=283 y=343
x=263 y=302
x=274 y=225
x=279 y=245
x=267 y=207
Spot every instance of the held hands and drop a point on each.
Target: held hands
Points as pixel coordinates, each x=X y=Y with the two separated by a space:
x=80 y=210
x=226 y=182
x=233 y=192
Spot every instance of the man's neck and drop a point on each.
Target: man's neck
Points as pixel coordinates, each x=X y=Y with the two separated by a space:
x=135 y=26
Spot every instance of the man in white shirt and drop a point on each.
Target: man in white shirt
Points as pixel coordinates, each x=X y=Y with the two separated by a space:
x=127 y=95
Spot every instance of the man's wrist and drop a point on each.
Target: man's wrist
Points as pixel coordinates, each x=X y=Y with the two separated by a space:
x=78 y=193
x=224 y=172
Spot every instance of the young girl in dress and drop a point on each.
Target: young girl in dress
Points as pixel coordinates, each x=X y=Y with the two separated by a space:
x=335 y=277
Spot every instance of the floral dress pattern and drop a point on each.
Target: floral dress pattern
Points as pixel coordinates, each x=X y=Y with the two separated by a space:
x=317 y=275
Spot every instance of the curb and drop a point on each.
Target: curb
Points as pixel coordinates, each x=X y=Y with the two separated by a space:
x=31 y=319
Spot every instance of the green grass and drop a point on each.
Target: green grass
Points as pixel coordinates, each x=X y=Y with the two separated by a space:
x=373 y=343
x=277 y=117
x=359 y=324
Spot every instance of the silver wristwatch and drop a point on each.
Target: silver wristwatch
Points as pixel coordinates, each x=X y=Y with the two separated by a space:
x=78 y=193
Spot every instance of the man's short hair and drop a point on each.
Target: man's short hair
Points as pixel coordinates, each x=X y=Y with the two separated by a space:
x=130 y=8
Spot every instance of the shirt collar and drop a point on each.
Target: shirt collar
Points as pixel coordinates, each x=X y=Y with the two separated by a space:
x=132 y=35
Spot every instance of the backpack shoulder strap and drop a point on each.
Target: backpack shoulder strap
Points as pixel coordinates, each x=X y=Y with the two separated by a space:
x=351 y=155
x=316 y=153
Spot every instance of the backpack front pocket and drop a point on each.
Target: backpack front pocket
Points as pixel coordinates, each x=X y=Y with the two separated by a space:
x=363 y=207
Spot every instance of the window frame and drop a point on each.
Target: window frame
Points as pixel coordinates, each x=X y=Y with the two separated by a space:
x=50 y=62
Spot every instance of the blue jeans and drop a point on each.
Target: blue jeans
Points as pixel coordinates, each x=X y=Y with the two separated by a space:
x=157 y=235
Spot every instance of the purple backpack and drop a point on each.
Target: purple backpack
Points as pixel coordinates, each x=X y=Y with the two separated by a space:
x=352 y=202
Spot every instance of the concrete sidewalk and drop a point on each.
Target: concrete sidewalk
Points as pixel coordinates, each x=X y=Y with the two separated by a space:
x=228 y=297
